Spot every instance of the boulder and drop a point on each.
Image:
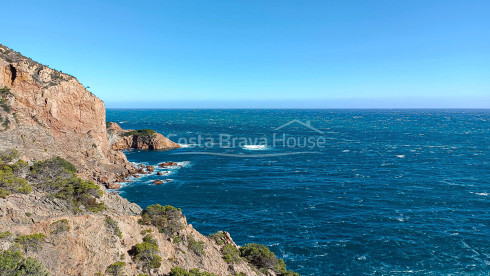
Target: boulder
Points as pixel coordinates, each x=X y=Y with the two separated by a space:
x=168 y=164
x=158 y=182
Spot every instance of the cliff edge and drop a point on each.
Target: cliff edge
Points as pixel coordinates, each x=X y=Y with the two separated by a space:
x=55 y=216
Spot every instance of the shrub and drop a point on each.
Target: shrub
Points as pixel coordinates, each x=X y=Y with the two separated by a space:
x=196 y=246
x=177 y=239
x=8 y=156
x=140 y=132
x=4 y=93
x=218 y=237
x=56 y=167
x=167 y=219
x=31 y=242
x=12 y=262
x=10 y=182
x=116 y=269
x=147 y=253
x=178 y=271
x=230 y=253
x=5 y=235
x=59 y=226
x=112 y=225
x=79 y=193
x=261 y=257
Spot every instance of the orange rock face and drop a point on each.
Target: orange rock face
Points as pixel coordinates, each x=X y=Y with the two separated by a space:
x=52 y=114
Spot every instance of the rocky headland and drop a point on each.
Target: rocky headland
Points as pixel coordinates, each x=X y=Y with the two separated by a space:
x=57 y=156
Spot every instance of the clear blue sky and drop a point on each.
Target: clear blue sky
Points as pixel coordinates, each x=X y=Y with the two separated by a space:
x=258 y=53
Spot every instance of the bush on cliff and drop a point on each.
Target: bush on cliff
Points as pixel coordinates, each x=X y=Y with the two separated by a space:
x=116 y=269
x=57 y=177
x=261 y=257
x=33 y=242
x=230 y=253
x=196 y=246
x=146 y=253
x=8 y=156
x=59 y=226
x=113 y=226
x=11 y=181
x=140 y=132
x=12 y=262
x=167 y=219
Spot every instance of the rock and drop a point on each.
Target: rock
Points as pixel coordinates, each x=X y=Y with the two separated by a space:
x=52 y=114
x=168 y=164
x=150 y=168
x=114 y=186
x=157 y=182
x=159 y=173
x=136 y=176
x=120 y=140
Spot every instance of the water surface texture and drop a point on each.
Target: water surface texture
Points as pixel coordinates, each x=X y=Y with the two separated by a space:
x=391 y=191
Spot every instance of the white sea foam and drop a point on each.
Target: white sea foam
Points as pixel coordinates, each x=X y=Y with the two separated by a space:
x=401 y=156
x=256 y=147
x=187 y=145
x=482 y=194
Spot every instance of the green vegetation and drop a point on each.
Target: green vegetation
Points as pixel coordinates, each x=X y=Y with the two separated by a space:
x=196 y=246
x=11 y=176
x=218 y=237
x=230 y=253
x=140 y=132
x=108 y=124
x=5 y=235
x=112 y=225
x=4 y=93
x=55 y=176
x=146 y=253
x=33 y=242
x=13 y=263
x=59 y=226
x=146 y=231
x=58 y=177
x=8 y=156
x=262 y=258
x=178 y=271
x=116 y=269
x=177 y=239
x=167 y=219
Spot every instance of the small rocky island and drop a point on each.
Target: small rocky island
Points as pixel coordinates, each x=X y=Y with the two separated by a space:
x=57 y=156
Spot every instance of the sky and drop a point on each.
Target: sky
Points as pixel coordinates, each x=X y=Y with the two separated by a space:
x=262 y=53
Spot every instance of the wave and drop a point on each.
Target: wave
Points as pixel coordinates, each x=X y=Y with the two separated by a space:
x=256 y=147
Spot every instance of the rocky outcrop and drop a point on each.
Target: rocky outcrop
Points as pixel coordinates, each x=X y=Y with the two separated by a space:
x=89 y=246
x=48 y=113
x=121 y=139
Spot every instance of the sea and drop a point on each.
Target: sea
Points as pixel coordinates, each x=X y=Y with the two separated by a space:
x=332 y=192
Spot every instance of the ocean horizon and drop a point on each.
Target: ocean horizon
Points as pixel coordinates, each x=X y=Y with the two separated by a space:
x=370 y=191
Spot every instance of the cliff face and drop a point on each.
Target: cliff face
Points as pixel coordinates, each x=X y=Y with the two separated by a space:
x=45 y=113
x=48 y=113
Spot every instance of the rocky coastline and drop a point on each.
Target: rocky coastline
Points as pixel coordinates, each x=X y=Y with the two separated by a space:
x=58 y=157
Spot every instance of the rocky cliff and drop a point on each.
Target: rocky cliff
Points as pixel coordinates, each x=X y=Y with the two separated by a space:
x=45 y=112
x=50 y=211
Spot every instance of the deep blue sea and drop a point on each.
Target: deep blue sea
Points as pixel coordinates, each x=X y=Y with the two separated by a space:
x=369 y=192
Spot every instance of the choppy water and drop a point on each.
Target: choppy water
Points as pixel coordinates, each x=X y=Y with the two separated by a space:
x=395 y=191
